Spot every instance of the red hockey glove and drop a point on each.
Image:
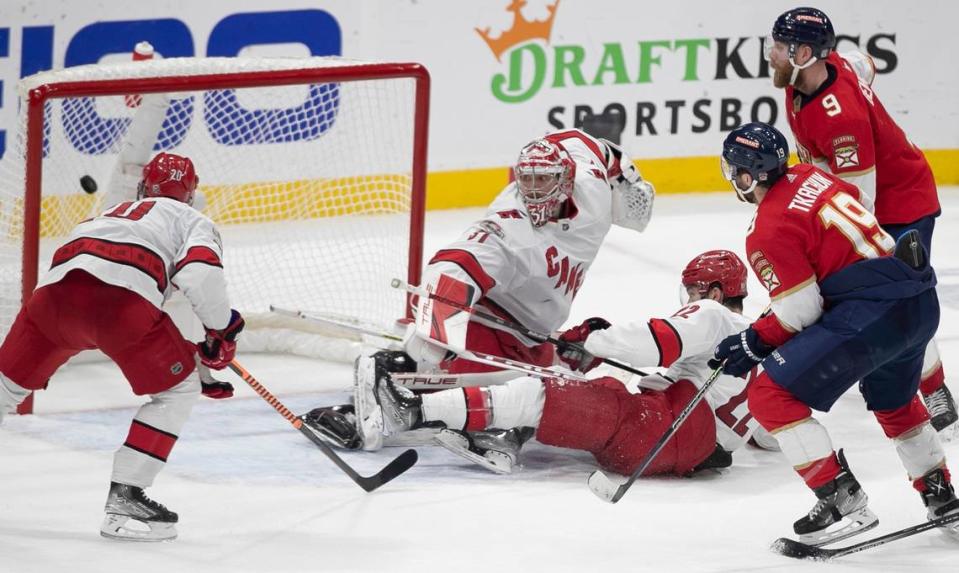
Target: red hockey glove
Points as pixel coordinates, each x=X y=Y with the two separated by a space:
x=571 y=350
x=219 y=348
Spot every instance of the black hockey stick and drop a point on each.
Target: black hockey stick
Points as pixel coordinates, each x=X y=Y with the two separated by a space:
x=399 y=465
x=798 y=550
x=531 y=334
x=607 y=490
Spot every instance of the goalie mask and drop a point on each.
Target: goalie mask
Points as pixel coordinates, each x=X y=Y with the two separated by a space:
x=169 y=175
x=544 y=176
x=715 y=268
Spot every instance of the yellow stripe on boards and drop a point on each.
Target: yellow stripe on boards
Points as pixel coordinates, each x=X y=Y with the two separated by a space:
x=378 y=194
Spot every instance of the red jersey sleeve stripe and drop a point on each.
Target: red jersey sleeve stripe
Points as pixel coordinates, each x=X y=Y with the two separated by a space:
x=199 y=254
x=466 y=261
x=150 y=441
x=667 y=340
x=557 y=138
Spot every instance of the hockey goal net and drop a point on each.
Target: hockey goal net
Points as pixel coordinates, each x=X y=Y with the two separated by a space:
x=313 y=169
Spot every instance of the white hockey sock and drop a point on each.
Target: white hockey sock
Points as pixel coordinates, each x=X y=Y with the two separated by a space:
x=153 y=433
x=447 y=406
x=11 y=395
x=517 y=403
x=920 y=450
x=804 y=442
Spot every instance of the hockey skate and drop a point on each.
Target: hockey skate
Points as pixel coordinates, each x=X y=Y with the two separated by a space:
x=942 y=411
x=495 y=450
x=940 y=499
x=371 y=372
x=335 y=425
x=840 y=513
x=132 y=516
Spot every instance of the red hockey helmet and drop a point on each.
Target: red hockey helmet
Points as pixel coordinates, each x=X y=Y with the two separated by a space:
x=712 y=267
x=169 y=175
x=544 y=176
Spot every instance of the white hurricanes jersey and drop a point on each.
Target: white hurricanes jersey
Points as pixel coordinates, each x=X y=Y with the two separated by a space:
x=534 y=273
x=150 y=247
x=684 y=343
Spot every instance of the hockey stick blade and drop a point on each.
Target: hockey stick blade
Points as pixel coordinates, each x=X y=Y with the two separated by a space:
x=608 y=490
x=798 y=550
x=400 y=464
x=605 y=488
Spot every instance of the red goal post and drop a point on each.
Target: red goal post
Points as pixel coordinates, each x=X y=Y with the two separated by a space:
x=314 y=170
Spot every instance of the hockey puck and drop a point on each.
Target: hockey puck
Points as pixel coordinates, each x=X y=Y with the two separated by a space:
x=88 y=184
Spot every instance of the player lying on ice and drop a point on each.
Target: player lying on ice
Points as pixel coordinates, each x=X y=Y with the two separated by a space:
x=527 y=258
x=849 y=306
x=599 y=416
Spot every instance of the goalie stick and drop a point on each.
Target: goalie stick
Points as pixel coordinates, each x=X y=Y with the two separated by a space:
x=350 y=326
x=431 y=381
x=605 y=488
x=531 y=334
x=396 y=467
x=798 y=550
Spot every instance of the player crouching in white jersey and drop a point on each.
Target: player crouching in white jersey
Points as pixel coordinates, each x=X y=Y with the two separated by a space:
x=602 y=416
x=105 y=289
x=523 y=262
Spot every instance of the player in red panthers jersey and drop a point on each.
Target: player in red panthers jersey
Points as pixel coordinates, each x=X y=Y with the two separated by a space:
x=841 y=126
x=843 y=311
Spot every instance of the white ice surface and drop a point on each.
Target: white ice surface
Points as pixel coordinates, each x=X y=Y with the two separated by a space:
x=255 y=496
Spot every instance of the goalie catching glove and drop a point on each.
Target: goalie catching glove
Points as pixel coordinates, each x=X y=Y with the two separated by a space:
x=219 y=348
x=572 y=351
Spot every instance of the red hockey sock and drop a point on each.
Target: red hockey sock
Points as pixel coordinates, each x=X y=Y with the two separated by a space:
x=820 y=472
x=933 y=382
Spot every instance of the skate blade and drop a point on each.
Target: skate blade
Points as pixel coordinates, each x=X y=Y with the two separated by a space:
x=126 y=528
x=857 y=522
x=417 y=437
x=950 y=433
x=457 y=444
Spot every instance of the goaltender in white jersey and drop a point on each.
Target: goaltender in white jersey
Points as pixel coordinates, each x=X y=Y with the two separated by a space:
x=524 y=261
x=528 y=257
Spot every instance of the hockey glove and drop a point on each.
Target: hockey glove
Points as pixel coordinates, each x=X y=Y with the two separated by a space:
x=219 y=348
x=571 y=350
x=742 y=352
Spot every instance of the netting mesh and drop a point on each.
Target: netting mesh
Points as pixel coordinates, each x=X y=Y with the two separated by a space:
x=309 y=184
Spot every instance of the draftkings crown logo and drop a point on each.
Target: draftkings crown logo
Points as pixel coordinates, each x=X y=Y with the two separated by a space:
x=522 y=30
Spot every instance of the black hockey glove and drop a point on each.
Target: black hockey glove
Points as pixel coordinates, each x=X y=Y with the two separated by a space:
x=742 y=352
